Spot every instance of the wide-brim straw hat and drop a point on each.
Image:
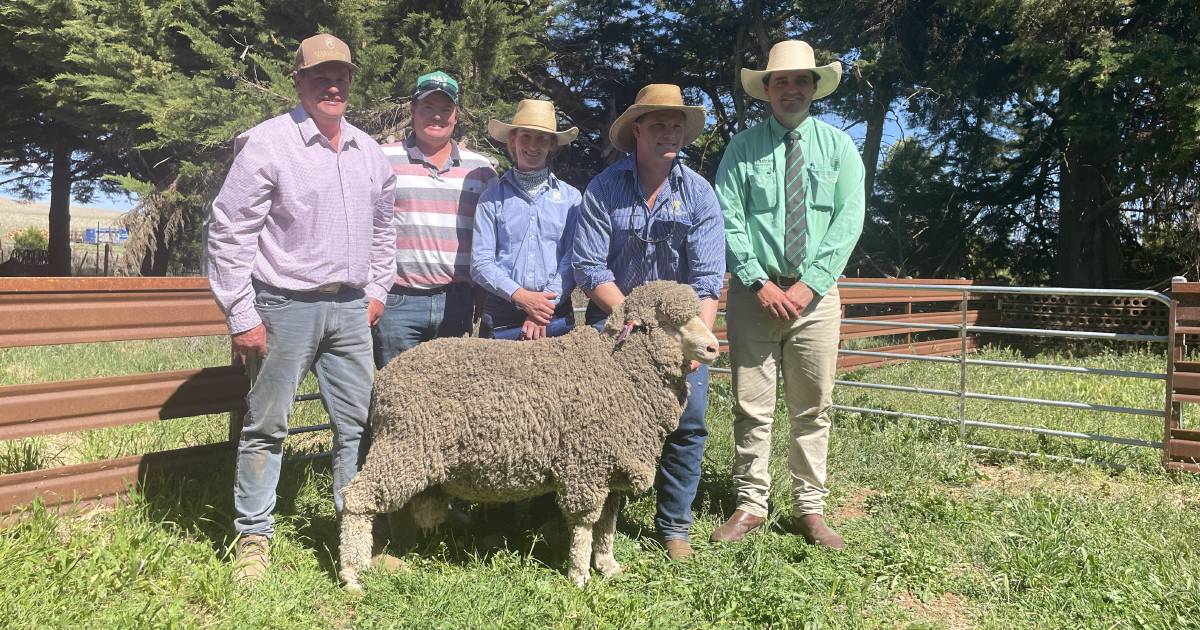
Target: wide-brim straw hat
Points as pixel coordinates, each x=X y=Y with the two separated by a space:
x=792 y=55
x=534 y=115
x=652 y=98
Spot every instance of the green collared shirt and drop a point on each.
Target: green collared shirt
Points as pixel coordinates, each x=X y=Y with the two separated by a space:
x=750 y=188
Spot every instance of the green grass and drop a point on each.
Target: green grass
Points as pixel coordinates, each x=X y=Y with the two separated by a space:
x=939 y=537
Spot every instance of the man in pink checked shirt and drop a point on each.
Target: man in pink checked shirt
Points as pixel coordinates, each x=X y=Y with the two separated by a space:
x=301 y=254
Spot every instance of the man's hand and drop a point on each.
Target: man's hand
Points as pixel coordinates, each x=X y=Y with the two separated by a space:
x=531 y=330
x=250 y=344
x=693 y=366
x=374 y=311
x=800 y=296
x=776 y=303
x=536 y=305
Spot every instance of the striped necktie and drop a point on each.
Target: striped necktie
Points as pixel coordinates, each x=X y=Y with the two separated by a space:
x=794 y=222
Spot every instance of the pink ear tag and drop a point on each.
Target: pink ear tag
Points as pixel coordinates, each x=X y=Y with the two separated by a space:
x=628 y=328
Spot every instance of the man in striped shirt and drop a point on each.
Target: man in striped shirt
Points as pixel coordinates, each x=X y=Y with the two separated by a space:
x=437 y=185
x=648 y=217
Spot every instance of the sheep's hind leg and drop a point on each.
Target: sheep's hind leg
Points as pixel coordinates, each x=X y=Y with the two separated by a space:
x=602 y=537
x=355 y=549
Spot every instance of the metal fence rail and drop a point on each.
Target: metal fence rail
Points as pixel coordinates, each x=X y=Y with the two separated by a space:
x=965 y=328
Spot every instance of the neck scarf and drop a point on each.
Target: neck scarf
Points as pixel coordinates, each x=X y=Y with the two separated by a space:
x=532 y=181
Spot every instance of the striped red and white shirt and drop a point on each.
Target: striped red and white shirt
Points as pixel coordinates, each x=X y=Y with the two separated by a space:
x=435 y=212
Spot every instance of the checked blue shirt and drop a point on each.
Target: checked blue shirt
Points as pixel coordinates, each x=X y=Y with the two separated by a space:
x=621 y=240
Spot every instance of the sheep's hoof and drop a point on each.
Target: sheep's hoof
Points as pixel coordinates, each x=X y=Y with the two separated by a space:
x=579 y=579
x=351 y=584
x=607 y=566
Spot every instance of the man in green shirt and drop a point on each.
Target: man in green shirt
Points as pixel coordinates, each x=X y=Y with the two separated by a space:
x=791 y=189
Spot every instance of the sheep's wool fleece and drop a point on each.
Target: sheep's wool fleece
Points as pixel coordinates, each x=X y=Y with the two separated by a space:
x=500 y=421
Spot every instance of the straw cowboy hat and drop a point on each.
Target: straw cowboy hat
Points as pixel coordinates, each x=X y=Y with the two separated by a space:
x=652 y=98
x=534 y=115
x=792 y=55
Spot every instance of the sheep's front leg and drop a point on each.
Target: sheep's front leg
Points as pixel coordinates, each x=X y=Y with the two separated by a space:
x=355 y=549
x=602 y=537
x=581 y=552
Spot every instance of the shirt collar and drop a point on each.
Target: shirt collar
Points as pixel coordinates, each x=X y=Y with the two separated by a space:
x=778 y=131
x=629 y=164
x=417 y=157
x=309 y=132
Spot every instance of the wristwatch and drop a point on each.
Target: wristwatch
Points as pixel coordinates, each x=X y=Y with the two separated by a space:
x=757 y=285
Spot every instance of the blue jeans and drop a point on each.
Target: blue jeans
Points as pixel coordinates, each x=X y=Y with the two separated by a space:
x=323 y=332
x=678 y=475
x=411 y=317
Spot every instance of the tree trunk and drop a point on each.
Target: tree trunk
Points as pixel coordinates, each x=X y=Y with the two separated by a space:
x=876 y=117
x=60 y=210
x=157 y=259
x=1089 y=223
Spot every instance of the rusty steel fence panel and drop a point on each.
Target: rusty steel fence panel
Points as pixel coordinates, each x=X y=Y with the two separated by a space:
x=102 y=482
x=965 y=327
x=63 y=311
x=52 y=311
x=1182 y=450
x=69 y=406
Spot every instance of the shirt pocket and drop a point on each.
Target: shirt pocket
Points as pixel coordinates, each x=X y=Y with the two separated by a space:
x=763 y=187
x=678 y=226
x=823 y=182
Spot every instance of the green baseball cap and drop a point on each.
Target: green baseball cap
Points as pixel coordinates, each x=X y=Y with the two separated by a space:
x=436 y=82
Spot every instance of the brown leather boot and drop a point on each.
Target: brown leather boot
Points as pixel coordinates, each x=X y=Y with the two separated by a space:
x=816 y=532
x=678 y=549
x=737 y=527
x=253 y=558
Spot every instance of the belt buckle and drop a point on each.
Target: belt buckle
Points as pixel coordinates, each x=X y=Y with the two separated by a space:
x=330 y=288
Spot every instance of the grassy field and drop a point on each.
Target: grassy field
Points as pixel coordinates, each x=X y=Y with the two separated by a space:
x=16 y=215
x=939 y=536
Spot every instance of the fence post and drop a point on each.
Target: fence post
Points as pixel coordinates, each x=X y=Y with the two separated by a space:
x=962 y=371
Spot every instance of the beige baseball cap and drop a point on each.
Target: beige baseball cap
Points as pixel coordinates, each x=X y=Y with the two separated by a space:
x=322 y=48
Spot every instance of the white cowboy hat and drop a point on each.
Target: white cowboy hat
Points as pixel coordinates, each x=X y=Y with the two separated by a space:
x=792 y=55
x=651 y=98
x=534 y=115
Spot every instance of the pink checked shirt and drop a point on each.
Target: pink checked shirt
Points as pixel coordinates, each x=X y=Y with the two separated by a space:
x=295 y=214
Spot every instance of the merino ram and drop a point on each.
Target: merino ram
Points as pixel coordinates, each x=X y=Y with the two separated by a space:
x=584 y=415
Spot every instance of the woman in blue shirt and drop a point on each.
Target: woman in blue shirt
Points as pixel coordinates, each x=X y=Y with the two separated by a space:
x=524 y=227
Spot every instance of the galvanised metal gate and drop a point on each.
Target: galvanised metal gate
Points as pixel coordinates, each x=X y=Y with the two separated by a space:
x=964 y=328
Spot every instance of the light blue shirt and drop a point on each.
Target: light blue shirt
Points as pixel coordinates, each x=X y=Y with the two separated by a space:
x=521 y=242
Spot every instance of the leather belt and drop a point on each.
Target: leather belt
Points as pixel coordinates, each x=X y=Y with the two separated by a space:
x=399 y=290
x=783 y=283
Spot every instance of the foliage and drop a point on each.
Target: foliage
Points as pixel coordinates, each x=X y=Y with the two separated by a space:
x=1042 y=142
x=30 y=238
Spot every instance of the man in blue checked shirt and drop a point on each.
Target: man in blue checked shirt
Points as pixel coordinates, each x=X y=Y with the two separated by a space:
x=648 y=217
x=524 y=225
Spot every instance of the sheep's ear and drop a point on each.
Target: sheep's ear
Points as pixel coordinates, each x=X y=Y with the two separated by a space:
x=616 y=321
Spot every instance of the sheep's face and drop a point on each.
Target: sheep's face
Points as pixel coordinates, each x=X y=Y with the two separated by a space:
x=672 y=308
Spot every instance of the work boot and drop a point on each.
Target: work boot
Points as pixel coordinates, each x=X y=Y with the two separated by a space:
x=816 y=532
x=253 y=558
x=737 y=527
x=678 y=549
